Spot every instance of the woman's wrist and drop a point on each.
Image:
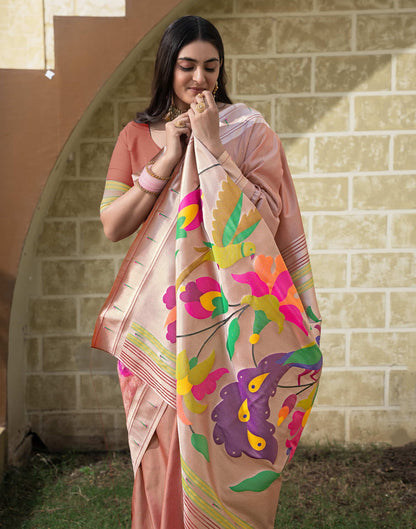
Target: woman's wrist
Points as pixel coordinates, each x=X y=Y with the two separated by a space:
x=217 y=149
x=164 y=165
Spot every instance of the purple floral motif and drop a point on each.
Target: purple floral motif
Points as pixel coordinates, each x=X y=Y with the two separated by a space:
x=169 y=299
x=242 y=416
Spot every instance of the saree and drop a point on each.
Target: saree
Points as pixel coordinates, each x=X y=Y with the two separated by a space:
x=214 y=309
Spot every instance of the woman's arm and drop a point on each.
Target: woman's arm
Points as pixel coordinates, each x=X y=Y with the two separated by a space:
x=123 y=214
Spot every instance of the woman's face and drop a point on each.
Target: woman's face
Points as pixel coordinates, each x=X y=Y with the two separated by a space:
x=197 y=69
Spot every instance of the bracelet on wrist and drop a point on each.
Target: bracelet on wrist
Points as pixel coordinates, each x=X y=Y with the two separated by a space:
x=152 y=173
x=153 y=193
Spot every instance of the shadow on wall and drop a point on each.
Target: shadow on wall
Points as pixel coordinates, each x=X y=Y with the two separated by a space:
x=6 y=292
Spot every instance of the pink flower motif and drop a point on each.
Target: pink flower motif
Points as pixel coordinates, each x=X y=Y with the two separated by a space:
x=296 y=427
x=274 y=296
x=204 y=298
x=169 y=299
x=189 y=213
x=123 y=370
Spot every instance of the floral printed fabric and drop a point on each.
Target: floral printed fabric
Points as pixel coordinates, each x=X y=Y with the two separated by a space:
x=238 y=349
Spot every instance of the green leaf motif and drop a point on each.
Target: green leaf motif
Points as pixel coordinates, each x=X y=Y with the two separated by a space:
x=180 y=232
x=246 y=233
x=200 y=443
x=312 y=315
x=257 y=483
x=221 y=305
x=309 y=355
x=231 y=227
x=233 y=335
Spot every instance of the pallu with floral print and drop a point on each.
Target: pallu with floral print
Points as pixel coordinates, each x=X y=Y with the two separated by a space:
x=216 y=326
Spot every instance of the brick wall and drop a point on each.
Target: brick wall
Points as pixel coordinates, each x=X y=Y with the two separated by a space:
x=337 y=80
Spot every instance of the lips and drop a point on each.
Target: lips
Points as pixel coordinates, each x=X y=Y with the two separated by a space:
x=196 y=90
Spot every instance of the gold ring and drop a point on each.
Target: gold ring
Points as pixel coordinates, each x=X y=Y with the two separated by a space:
x=180 y=124
x=200 y=107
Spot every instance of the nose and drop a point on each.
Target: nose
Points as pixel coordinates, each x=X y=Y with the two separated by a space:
x=198 y=75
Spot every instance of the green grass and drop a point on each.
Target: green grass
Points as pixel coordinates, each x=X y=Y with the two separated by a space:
x=324 y=487
x=70 y=490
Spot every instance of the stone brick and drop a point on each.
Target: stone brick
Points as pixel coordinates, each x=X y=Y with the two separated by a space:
x=101 y=124
x=69 y=166
x=50 y=392
x=386 y=31
x=52 y=315
x=333 y=348
x=355 y=72
x=90 y=308
x=77 y=276
x=347 y=5
x=385 y=348
x=100 y=392
x=297 y=152
x=95 y=243
x=329 y=270
x=395 y=427
x=351 y=154
x=77 y=199
x=403 y=309
x=213 y=8
x=322 y=194
x=404 y=230
x=385 y=112
x=137 y=82
x=243 y=35
x=127 y=111
x=405 y=152
x=312 y=114
x=94 y=160
x=406 y=71
x=313 y=34
x=351 y=388
x=33 y=355
x=349 y=231
x=403 y=4
x=273 y=6
x=384 y=192
x=273 y=76
x=57 y=238
x=383 y=270
x=83 y=431
x=402 y=389
x=74 y=353
x=350 y=310
x=324 y=427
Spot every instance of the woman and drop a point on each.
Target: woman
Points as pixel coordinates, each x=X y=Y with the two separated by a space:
x=213 y=314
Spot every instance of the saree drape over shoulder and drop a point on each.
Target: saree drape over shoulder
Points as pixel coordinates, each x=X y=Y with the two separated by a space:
x=214 y=310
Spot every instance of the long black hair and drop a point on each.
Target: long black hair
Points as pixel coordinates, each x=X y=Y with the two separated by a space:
x=179 y=34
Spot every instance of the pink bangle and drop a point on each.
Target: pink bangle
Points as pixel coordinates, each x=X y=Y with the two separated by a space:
x=147 y=182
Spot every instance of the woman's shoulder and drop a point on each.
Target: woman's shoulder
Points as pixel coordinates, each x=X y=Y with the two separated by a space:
x=132 y=127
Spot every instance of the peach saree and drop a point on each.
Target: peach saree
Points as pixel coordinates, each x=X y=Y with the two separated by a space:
x=214 y=311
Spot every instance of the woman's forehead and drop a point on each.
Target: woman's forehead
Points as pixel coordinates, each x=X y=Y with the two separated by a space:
x=200 y=50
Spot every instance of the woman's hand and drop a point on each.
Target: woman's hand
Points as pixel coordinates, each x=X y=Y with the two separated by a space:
x=177 y=135
x=205 y=125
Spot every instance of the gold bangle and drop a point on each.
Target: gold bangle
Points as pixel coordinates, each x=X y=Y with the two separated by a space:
x=150 y=171
x=136 y=183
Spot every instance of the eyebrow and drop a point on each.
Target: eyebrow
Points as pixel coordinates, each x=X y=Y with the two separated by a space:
x=194 y=60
